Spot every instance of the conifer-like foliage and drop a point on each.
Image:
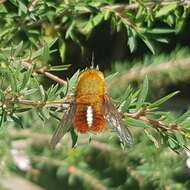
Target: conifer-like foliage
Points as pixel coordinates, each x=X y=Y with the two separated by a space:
x=36 y=39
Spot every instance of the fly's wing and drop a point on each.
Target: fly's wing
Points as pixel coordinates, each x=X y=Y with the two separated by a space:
x=114 y=120
x=64 y=126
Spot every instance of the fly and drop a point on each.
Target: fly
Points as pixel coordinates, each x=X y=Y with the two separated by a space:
x=91 y=110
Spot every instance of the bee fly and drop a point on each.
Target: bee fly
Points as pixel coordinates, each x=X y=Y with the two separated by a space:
x=91 y=110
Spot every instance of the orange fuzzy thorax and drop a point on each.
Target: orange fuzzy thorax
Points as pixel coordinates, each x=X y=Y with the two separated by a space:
x=90 y=92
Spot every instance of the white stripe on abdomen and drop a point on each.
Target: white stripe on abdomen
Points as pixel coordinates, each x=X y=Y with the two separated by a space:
x=89 y=116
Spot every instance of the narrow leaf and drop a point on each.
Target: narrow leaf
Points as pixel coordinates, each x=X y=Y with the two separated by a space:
x=143 y=93
x=148 y=43
x=72 y=81
x=110 y=77
x=59 y=68
x=12 y=79
x=17 y=120
x=152 y=138
x=21 y=110
x=2 y=96
x=26 y=78
x=131 y=40
x=162 y=100
x=46 y=53
x=62 y=50
x=37 y=53
x=22 y=8
x=136 y=123
x=18 y=48
x=183 y=117
x=74 y=137
x=43 y=94
x=2 y=118
x=180 y=138
x=166 y=9
x=160 y=31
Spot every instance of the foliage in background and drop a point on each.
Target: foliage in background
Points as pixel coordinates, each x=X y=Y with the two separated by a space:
x=38 y=21
x=162 y=70
x=32 y=34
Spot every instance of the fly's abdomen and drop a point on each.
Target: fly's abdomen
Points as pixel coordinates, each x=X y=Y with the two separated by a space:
x=89 y=118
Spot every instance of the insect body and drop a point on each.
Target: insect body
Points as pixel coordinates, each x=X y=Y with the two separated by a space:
x=90 y=92
x=91 y=110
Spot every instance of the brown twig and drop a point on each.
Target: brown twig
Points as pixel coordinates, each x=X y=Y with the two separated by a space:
x=158 y=125
x=64 y=103
x=52 y=77
x=57 y=103
x=32 y=5
x=126 y=20
x=28 y=64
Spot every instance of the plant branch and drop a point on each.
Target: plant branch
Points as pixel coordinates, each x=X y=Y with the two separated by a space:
x=138 y=73
x=134 y=6
x=126 y=20
x=32 y=5
x=119 y=8
x=39 y=22
x=158 y=125
x=28 y=64
x=58 y=103
x=39 y=104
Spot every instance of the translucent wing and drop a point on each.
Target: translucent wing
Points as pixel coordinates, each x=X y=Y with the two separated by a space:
x=64 y=126
x=114 y=120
